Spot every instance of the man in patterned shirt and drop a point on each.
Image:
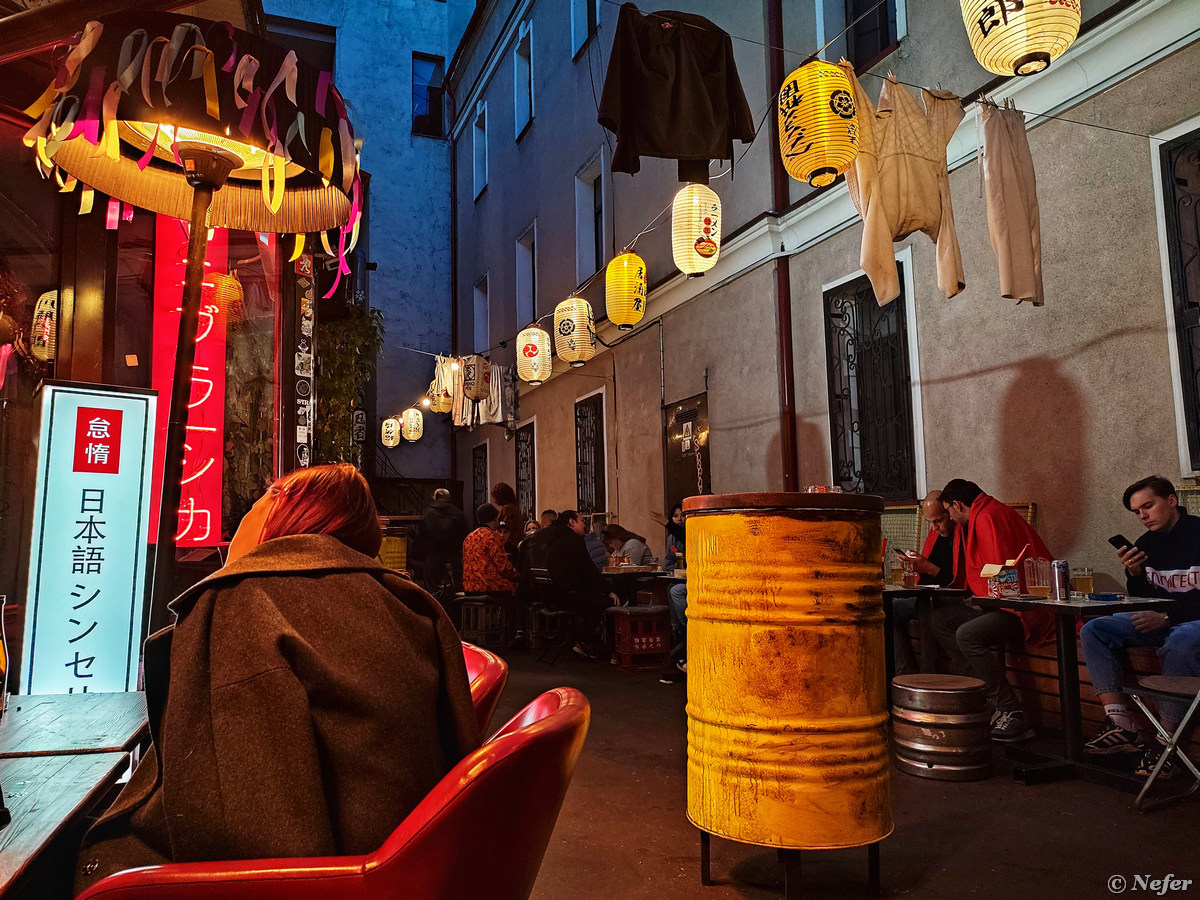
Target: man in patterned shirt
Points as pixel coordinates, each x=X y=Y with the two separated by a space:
x=486 y=567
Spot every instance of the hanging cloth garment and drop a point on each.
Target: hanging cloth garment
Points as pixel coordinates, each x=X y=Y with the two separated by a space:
x=461 y=407
x=672 y=91
x=899 y=183
x=512 y=398
x=441 y=389
x=491 y=410
x=1014 y=222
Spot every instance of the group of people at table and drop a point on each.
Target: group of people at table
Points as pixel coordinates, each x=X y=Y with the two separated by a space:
x=970 y=529
x=502 y=555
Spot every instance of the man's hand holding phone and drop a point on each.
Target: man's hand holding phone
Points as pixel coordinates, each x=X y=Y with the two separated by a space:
x=919 y=563
x=1131 y=557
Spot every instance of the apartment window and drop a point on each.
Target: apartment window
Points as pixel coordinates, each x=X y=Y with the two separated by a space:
x=589 y=454
x=527 y=277
x=867 y=41
x=482 y=316
x=479 y=149
x=427 y=95
x=523 y=79
x=590 y=245
x=314 y=44
x=585 y=18
x=870 y=394
x=1180 y=161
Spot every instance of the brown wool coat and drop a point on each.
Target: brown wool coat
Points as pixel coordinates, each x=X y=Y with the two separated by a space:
x=303 y=704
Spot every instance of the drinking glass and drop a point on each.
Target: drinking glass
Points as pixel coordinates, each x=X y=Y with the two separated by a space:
x=1037 y=577
x=1082 y=581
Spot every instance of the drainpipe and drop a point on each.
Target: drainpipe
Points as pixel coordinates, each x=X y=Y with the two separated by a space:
x=453 y=257
x=783 y=284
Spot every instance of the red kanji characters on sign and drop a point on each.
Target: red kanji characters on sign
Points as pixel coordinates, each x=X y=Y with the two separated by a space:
x=97 y=440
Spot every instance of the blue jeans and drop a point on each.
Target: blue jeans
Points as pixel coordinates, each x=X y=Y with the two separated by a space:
x=1103 y=639
x=677 y=600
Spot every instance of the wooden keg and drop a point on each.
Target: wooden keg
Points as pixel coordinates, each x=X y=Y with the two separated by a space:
x=940 y=726
x=787 y=726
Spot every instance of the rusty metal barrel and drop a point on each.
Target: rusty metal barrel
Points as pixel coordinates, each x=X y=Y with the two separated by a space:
x=787 y=725
x=940 y=725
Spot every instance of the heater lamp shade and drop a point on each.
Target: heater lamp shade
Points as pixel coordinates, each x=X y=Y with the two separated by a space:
x=412 y=424
x=818 y=124
x=138 y=82
x=533 y=355
x=1020 y=38
x=477 y=377
x=574 y=331
x=625 y=290
x=391 y=432
x=696 y=229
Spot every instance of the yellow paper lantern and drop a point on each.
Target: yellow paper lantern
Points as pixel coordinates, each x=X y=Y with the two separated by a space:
x=533 y=355
x=43 y=336
x=412 y=424
x=696 y=229
x=625 y=290
x=574 y=331
x=391 y=431
x=1020 y=37
x=227 y=294
x=818 y=123
x=477 y=377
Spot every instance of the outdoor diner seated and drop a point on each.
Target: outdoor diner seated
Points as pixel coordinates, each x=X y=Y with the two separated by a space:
x=676 y=594
x=266 y=702
x=582 y=587
x=629 y=547
x=1164 y=561
x=486 y=567
x=992 y=533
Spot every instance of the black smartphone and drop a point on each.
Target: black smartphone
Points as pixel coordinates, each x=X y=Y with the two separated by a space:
x=1120 y=542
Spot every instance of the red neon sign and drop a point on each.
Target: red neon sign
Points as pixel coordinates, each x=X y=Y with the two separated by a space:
x=200 y=501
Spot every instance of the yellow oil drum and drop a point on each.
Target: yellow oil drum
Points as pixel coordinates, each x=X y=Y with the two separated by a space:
x=787 y=723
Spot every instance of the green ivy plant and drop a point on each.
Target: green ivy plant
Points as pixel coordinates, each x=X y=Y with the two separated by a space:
x=347 y=350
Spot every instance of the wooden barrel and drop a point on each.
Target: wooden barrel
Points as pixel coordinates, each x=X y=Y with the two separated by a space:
x=940 y=725
x=787 y=726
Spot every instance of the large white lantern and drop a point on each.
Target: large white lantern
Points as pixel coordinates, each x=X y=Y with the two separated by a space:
x=391 y=431
x=818 y=123
x=477 y=377
x=533 y=355
x=1019 y=37
x=696 y=229
x=412 y=424
x=574 y=331
x=625 y=290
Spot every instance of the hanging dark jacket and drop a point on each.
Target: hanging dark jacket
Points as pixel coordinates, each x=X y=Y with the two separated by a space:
x=672 y=91
x=303 y=704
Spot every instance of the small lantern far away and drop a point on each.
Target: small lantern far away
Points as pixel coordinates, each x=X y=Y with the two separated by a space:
x=625 y=290
x=818 y=123
x=477 y=377
x=1020 y=37
x=228 y=295
x=43 y=336
x=574 y=331
x=533 y=355
x=696 y=229
x=391 y=431
x=412 y=424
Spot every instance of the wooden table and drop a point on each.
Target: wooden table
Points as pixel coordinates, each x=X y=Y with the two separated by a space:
x=625 y=578
x=41 y=724
x=46 y=795
x=1065 y=613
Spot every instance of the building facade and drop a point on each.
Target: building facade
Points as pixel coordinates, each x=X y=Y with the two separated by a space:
x=1062 y=405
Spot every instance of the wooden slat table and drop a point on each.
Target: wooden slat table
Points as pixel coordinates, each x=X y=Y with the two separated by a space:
x=47 y=794
x=41 y=724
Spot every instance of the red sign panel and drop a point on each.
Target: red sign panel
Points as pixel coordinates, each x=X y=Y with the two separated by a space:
x=97 y=440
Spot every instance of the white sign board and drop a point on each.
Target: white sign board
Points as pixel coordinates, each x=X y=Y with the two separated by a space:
x=87 y=558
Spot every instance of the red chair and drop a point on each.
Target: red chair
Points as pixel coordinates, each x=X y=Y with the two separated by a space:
x=488 y=674
x=481 y=832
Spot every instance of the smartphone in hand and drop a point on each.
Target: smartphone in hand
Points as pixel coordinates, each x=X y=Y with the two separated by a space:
x=1120 y=542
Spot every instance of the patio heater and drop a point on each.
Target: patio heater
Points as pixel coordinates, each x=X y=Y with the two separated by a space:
x=202 y=122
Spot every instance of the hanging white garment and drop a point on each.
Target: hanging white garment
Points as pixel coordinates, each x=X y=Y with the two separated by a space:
x=441 y=389
x=460 y=405
x=1014 y=222
x=491 y=410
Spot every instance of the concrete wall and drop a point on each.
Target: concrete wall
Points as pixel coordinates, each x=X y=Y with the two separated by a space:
x=410 y=184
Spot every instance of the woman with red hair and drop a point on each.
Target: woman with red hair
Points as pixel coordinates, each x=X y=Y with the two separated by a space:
x=304 y=702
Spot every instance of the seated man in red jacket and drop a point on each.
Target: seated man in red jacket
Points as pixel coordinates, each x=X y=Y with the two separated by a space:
x=990 y=532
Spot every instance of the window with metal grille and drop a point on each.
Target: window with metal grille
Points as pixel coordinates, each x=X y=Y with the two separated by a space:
x=526 y=470
x=870 y=395
x=589 y=454
x=479 y=474
x=1181 y=188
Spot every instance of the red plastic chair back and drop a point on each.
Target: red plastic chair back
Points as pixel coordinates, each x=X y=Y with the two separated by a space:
x=481 y=832
x=488 y=674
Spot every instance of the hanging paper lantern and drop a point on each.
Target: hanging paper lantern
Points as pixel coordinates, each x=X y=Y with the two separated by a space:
x=477 y=377
x=412 y=424
x=391 y=431
x=818 y=124
x=625 y=290
x=1020 y=37
x=574 y=331
x=227 y=294
x=533 y=355
x=696 y=229
x=43 y=337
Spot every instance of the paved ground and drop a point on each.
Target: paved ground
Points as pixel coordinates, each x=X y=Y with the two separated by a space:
x=623 y=833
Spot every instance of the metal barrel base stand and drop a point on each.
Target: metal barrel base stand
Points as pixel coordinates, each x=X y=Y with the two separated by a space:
x=791 y=868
